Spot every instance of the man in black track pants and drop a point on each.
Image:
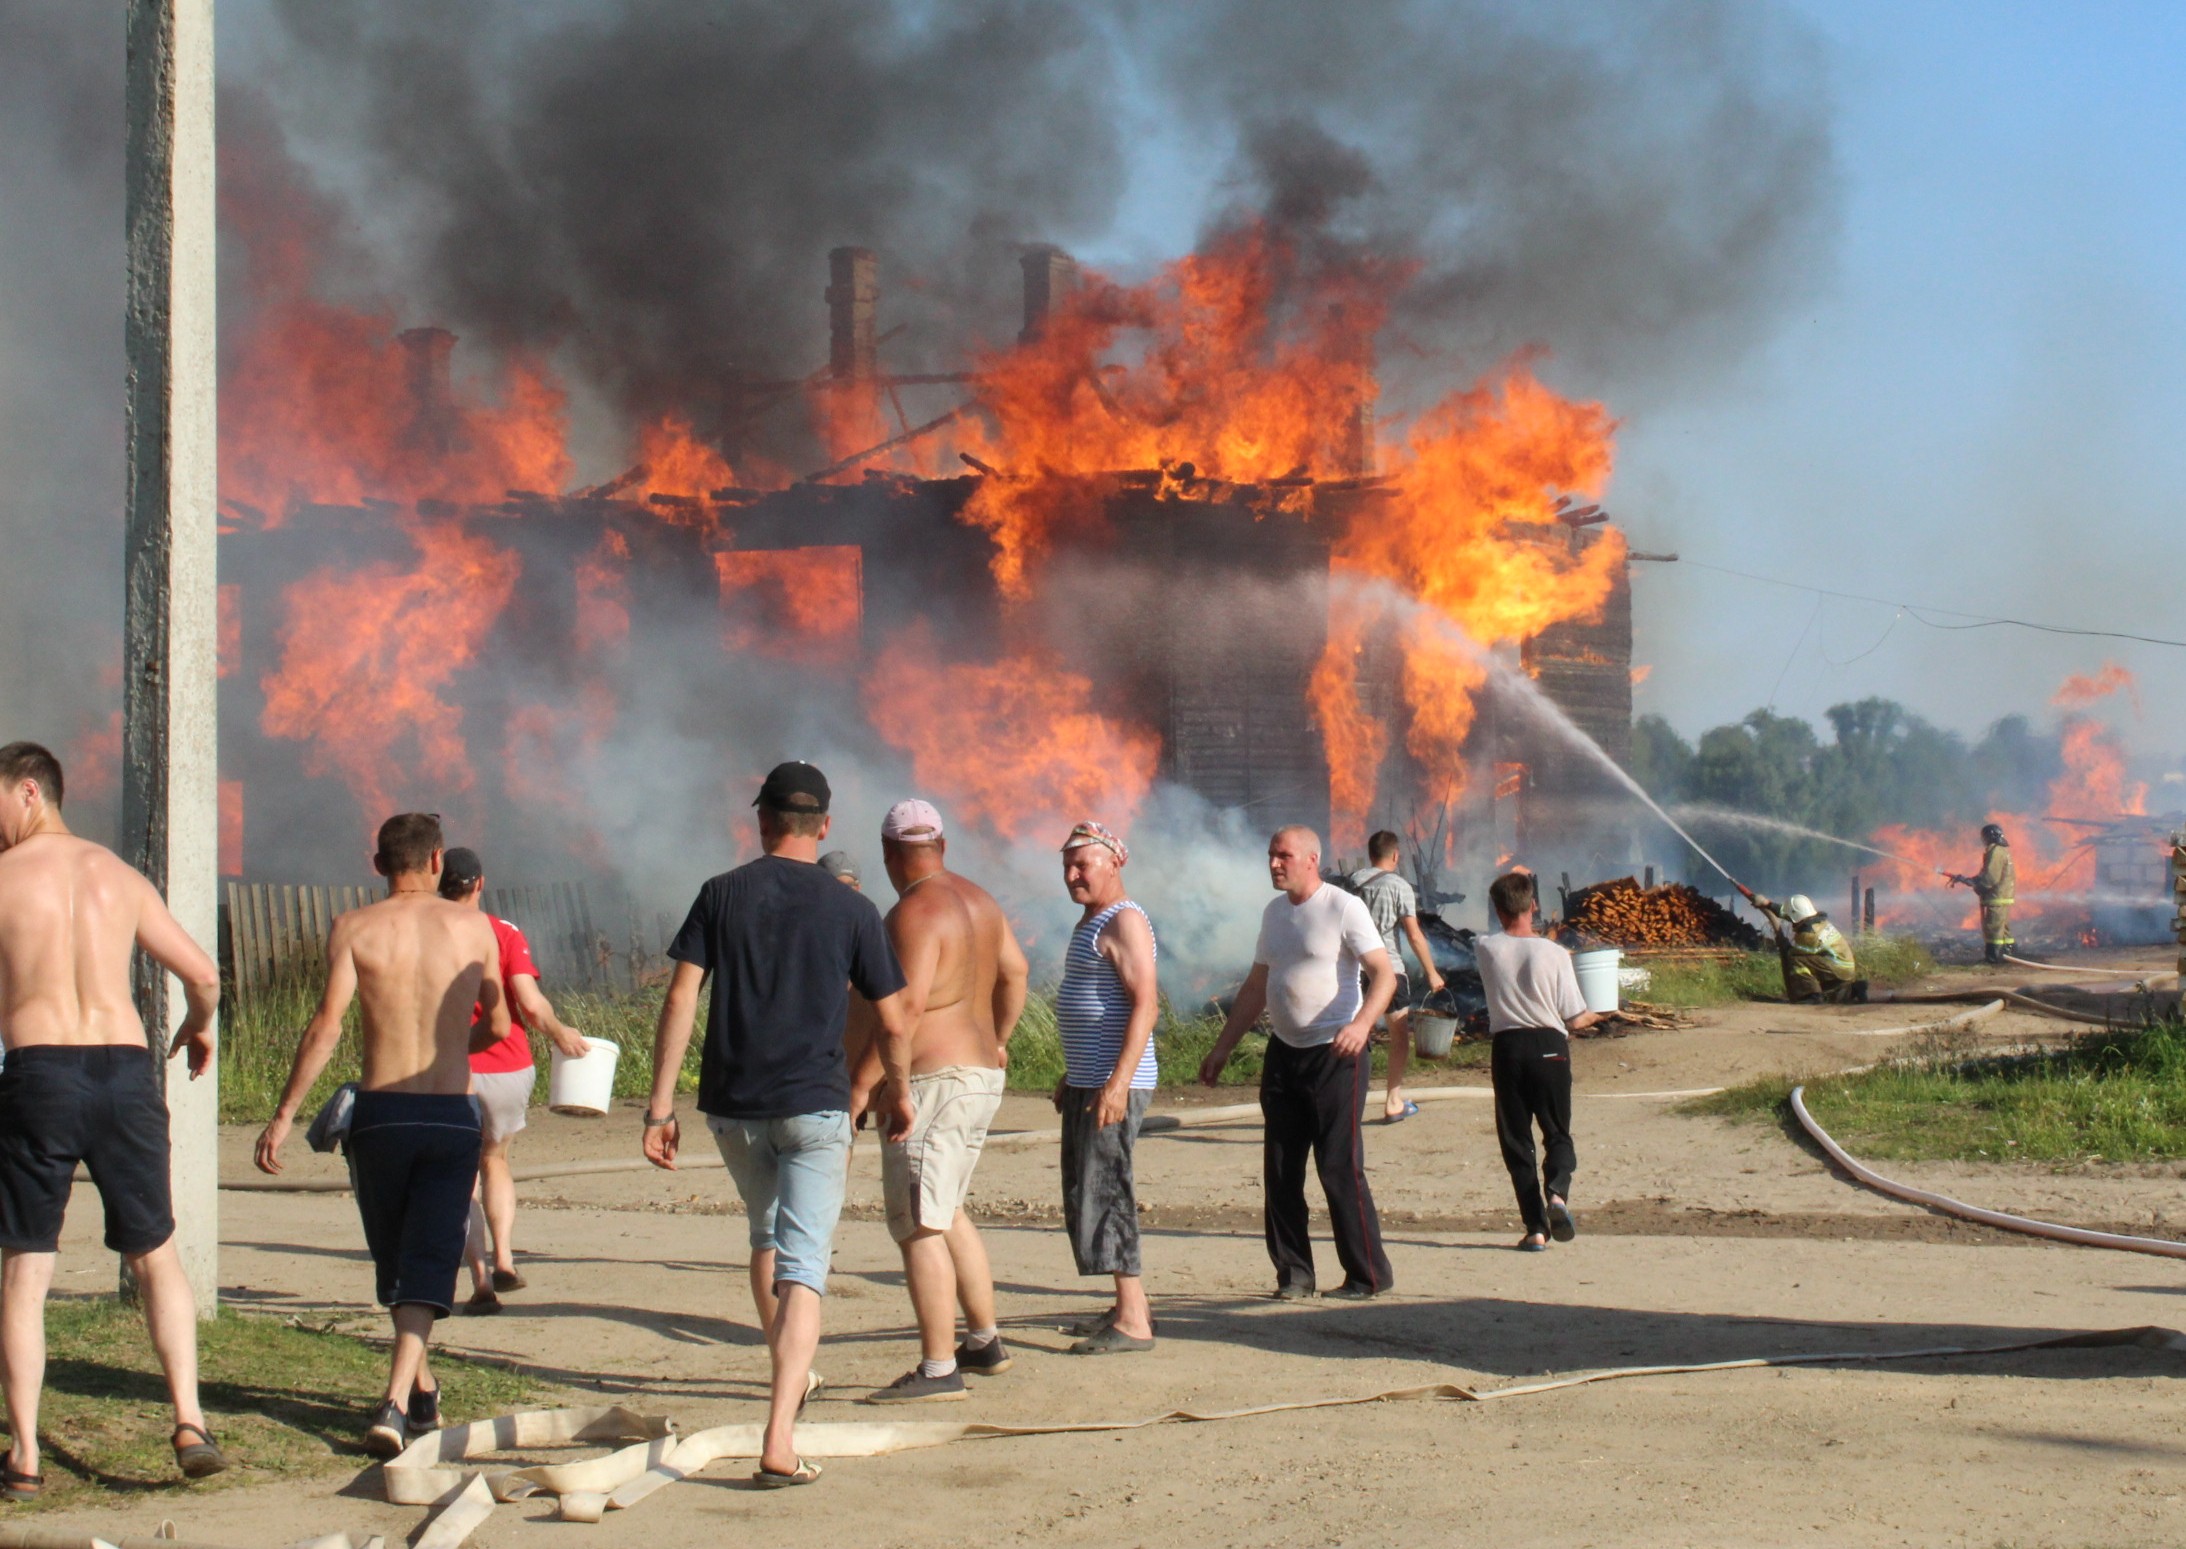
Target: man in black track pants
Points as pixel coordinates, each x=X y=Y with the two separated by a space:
x=1324 y=978
x=1533 y=1000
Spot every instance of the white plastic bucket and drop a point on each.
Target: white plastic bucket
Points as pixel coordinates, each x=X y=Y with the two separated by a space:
x=1597 y=971
x=584 y=1087
x=1432 y=1035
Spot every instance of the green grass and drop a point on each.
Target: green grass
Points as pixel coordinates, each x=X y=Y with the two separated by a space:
x=283 y=1398
x=1887 y=962
x=258 y=1043
x=2117 y=1096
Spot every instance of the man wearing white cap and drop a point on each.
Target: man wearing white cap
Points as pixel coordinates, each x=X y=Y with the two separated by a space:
x=965 y=979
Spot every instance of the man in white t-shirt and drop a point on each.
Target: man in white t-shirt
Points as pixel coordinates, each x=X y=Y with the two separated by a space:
x=1324 y=978
x=1533 y=999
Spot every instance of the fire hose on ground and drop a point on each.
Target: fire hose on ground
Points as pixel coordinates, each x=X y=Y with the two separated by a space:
x=1944 y=1204
x=431 y=1472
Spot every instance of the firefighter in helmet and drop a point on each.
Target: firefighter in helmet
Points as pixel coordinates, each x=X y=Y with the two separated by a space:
x=1818 y=963
x=1993 y=885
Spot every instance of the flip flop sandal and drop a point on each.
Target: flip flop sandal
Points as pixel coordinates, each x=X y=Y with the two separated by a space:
x=813 y=1383
x=200 y=1459
x=1410 y=1108
x=483 y=1303
x=804 y=1473
x=508 y=1280
x=1528 y=1245
x=1110 y=1341
x=1561 y=1224
x=16 y=1485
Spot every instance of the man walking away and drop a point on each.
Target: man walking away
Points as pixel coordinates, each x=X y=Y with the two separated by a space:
x=1306 y=974
x=502 y=1079
x=965 y=979
x=1996 y=885
x=81 y=1084
x=1533 y=999
x=785 y=942
x=1105 y=1011
x=421 y=967
x=1817 y=960
x=1395 y=907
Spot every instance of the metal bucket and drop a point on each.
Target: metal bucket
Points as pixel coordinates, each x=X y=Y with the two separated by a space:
x=1432 y=1035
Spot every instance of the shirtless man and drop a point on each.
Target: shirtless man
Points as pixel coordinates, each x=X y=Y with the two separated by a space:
x=419 y=964
x=81 y=1084
x=965 y=986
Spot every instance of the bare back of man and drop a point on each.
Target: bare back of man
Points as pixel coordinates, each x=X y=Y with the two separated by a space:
x=71 y=914
x=417 y=964
x=81 y=1084
x=933 y=925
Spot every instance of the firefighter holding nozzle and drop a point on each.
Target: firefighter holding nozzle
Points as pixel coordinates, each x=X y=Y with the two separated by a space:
x=1818 y=963
x=1993 y=885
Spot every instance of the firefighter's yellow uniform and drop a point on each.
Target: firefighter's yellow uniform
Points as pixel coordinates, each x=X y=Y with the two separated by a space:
x=1818 y=962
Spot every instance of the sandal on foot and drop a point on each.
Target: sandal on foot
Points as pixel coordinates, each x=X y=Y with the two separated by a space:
x=804 y=1473
x=508 y=1280
x=200 y=1459
x=1110 y=1341
x=15 y=1485
x=483 y=1303
x=1529 y=1244
x=1401 y=1114
x=813 y=1383
x=1562 y=1225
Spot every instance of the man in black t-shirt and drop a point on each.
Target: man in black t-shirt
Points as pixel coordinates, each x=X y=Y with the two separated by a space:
x=785 y=943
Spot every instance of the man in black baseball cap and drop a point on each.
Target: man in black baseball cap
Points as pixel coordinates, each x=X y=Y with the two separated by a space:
x=786 y=943
x=794 y=787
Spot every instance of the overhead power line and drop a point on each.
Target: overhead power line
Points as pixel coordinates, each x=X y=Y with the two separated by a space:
x=1915 y=610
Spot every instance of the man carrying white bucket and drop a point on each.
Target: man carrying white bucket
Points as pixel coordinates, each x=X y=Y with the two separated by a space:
x=501 y=1079
x=1533 y=1000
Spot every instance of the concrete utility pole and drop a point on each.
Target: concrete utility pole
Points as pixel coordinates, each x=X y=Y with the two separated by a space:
x=170 y=817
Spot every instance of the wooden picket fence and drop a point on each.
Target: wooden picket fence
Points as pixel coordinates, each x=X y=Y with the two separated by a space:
x=270 y=931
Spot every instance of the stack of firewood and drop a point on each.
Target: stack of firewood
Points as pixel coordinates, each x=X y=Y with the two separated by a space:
x=1623 y=913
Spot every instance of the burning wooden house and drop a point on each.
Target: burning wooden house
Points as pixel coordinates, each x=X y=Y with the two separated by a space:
x=1176 y=613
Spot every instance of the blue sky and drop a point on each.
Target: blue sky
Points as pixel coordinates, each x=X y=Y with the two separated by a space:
x=1980 y=409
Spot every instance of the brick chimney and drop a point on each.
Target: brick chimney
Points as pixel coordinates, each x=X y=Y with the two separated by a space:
x=1050 y=276
x=853 y=295
x=432 y=398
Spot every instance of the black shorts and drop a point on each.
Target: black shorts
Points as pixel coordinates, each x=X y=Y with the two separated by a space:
x=101 y=1105
x=1400 y=998
x=413 y=1161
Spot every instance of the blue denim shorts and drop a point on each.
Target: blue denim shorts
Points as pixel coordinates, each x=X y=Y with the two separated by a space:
x=791 y=1173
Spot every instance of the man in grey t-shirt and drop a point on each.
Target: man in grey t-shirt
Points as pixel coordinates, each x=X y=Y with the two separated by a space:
x=1395 y=907
x=1533 y=1001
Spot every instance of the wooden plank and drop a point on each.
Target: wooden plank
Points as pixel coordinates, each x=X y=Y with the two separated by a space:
x=261 y=934
x=231 y=937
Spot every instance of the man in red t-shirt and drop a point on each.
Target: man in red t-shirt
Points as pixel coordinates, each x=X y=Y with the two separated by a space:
x=501 y=1079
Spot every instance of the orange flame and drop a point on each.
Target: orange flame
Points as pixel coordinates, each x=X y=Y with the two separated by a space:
x=1469 y=529
x=677 y=462
x=364 y=655
x=1013 y=744
x=2049 y=857
x=793 y=604
x=1249 y=370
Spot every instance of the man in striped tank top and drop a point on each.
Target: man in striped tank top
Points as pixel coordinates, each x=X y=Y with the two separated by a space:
x=1105 y=1011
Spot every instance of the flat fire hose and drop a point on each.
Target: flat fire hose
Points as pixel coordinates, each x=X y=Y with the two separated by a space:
x=2162 y=1247
x=447 y=1469
x=2144 y=975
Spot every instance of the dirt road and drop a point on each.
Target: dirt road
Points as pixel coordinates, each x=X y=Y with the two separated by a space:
x=1701 y=1240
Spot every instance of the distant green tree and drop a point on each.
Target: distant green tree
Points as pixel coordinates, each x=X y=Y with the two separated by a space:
x=1883 y=764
